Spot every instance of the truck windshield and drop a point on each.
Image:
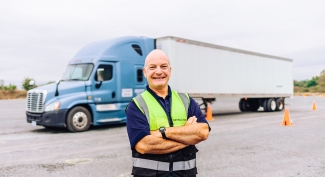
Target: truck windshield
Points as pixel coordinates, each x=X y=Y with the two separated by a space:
x=78 y=72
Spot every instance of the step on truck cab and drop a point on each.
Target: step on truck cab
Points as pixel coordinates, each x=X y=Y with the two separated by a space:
x=98 y=83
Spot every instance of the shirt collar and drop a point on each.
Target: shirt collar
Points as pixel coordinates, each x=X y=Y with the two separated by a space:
x=156 y=96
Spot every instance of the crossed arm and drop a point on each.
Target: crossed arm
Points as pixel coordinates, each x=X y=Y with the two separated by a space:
x=178 y=138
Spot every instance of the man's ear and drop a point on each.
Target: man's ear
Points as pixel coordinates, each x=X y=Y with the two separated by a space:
x=144 y=72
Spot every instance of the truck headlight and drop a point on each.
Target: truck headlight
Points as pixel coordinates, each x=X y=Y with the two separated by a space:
x=53 y=106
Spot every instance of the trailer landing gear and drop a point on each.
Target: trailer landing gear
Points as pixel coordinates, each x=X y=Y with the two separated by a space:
x=206 y=101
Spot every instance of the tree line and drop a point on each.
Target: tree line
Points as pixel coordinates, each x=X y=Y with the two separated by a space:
x=25 y=85
x=316 y=84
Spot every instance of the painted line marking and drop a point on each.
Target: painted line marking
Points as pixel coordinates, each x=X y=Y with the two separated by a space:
x=78 y=161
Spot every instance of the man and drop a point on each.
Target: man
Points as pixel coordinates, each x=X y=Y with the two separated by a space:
x=163 y=125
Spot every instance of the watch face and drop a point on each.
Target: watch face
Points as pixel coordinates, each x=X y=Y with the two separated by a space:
x=162 y=131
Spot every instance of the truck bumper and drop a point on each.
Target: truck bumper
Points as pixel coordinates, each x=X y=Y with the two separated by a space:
x=51 y=119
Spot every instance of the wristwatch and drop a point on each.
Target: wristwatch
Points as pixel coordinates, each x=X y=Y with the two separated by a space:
x=162 y=131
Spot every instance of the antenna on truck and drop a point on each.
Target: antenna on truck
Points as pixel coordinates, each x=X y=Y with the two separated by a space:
x=57 y=85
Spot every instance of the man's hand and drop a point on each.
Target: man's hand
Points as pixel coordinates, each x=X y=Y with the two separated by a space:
x=191 y=133
x=191 y=120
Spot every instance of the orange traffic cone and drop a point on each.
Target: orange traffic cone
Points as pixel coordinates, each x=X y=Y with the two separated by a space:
x=208 y=115
x=286 y=118
x=314 y=108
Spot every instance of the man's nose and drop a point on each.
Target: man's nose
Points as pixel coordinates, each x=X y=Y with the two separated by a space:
x=158 y=70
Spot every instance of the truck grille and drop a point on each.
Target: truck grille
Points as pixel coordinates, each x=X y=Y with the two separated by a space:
x=35 y=101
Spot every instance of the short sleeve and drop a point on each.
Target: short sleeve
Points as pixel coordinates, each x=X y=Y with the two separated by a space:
x=194 y=110
x=136 y=123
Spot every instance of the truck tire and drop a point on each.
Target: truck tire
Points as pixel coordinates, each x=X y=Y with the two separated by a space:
x=240 y=105
x=78 y=119
x=243 y=105
x=265 y=105
x=279 y=104
x=271 y=105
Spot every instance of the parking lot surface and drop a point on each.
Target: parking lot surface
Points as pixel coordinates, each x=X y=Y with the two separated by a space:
x=240 y=144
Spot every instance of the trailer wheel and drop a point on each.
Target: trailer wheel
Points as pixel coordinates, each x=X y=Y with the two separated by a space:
x=243 y=105
x=279 y=104
x=271 y=104
x=265 y=105
x=78 y=119
x=240 y=105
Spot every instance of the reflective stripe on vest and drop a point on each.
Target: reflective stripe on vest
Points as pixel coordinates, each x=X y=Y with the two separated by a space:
x=163 y=166
x=157 y=116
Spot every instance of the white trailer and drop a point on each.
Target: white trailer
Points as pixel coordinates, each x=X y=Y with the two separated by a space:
x=210 y=71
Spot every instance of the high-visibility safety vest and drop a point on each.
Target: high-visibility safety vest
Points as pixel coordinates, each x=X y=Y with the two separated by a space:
x=157 y=116
x=182 y=162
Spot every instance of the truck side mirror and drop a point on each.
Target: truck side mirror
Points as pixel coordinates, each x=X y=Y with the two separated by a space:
x=100 y=77
x=31 y=82
x=56 y=89
x=100 y=74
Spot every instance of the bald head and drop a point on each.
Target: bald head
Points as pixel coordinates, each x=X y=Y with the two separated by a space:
x=154 y=55
x=157 y=70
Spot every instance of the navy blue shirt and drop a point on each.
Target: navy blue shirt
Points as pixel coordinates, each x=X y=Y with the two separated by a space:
x=137 y=123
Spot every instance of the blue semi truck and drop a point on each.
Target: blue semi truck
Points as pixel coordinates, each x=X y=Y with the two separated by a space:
x=96 y=86
x=101 y=79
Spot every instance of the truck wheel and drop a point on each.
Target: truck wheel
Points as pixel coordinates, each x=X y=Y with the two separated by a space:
x=78 y=119
x=243 y=105
x=279 y=104
x=240 y=105
x=265 y=105
x=271 y=105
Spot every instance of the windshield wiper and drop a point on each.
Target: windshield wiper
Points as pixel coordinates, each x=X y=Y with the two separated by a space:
x=76 y=80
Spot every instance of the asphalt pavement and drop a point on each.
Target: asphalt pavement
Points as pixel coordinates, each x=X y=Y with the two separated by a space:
x=240 y=144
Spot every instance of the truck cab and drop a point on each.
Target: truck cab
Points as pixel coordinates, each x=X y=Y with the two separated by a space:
x=97 y=85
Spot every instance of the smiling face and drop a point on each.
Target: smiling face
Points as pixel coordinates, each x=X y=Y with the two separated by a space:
x=157 y=70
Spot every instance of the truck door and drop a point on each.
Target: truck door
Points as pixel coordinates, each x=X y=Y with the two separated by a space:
x=105 y=92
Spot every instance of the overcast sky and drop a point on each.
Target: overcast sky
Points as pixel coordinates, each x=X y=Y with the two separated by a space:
x=38 y=38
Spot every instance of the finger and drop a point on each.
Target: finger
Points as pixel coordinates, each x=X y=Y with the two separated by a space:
x=192 y=119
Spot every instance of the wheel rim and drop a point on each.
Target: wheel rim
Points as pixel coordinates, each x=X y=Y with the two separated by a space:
x=273 y=105
x=79 y=120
